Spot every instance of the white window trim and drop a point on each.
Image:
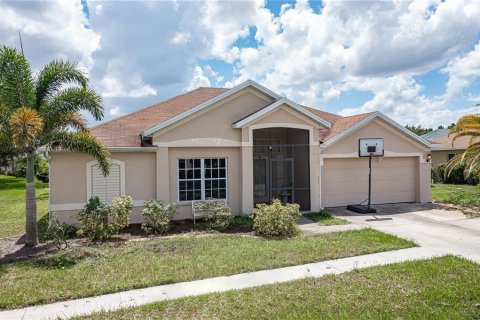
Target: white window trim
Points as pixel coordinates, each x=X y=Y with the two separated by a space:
x=89 y=167
x=202 y=178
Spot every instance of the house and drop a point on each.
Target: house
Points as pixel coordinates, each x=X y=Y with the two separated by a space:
x=443 y=146
x=248 y=145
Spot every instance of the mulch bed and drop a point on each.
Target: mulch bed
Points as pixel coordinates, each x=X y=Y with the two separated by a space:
x=13 y=248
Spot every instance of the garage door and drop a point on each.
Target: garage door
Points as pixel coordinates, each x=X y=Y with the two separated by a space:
x=345 y=181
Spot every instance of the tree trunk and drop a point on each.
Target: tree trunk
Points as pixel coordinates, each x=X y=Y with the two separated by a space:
x=31 y=229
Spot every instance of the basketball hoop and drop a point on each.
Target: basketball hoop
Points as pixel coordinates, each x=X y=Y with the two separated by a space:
x=370 y=148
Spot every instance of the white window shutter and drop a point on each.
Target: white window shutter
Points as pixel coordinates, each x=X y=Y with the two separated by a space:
x=106 y=188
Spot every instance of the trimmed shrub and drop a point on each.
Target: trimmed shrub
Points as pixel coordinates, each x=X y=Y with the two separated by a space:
x=101 y=221
x=218 y=215
x=158 y=216
x=276 y=220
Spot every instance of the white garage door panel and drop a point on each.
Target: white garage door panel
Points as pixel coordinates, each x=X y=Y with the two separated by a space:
x=345 y=181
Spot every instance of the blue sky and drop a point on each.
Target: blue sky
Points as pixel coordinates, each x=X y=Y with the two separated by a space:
x=418 y=62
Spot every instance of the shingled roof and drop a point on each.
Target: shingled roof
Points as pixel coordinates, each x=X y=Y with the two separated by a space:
x=125 y=131
x=446 y=142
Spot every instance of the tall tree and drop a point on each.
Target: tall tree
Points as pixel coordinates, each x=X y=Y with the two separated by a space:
x=418 y=130
x=45 y=110
x=467 y=126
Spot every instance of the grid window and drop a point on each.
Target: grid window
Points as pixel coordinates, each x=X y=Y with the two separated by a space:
x=200 y=179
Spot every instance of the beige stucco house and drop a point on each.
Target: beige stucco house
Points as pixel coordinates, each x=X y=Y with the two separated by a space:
x=443 y=146
x=247 y=145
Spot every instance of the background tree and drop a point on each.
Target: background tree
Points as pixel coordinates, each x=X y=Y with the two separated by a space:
x=45 y=111
x=467 y=126
x=418 y=130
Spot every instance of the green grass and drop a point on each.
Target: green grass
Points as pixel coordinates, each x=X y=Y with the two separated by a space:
x=440 y=288
x=457 y=194
x=325 y=219
x=12 y=205
x=93 y=270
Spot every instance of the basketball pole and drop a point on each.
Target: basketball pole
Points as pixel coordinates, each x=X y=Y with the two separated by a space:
x=369 y=181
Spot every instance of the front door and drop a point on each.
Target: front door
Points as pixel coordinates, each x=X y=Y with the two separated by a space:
x=281 y=180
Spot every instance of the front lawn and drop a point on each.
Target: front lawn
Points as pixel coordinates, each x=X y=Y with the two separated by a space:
x=12 y=205
x=325 y=219
x=98 y=269
x=439 y=288
x=458 y=194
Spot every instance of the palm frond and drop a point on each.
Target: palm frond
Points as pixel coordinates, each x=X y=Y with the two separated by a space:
x=26 y=125
x=81 y=142
x=56 y=75
x=73 y=100
x=68 y=120
x=16 y=81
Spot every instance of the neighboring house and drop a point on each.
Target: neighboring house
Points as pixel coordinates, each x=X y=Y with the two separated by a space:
x=247 y=145
x=443 y=147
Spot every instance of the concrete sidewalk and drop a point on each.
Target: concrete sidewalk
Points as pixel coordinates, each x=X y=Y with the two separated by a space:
x=139 y=297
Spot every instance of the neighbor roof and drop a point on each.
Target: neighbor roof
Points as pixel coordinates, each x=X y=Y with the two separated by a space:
x=446 y=142
x=435 y=134
x=441 y=140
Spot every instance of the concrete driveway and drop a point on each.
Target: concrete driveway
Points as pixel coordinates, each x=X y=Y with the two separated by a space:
x=445 y=231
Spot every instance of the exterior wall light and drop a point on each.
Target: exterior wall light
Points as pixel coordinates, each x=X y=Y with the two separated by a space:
x=429 y=157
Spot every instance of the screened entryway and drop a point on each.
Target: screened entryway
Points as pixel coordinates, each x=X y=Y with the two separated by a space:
x=281 y=168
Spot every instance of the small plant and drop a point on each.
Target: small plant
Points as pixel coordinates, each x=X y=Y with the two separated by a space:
x=101 y=221
x=59 y=233
x=157 y=216
x=217 y=215
x=120 y=209
x=276 y=219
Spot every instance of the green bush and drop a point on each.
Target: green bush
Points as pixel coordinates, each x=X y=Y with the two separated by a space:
x=276 y=220
x=217 y=215
x=41 y=168
x=101 y=221
x=59 y=233
x=158 y=216
x=455 y=177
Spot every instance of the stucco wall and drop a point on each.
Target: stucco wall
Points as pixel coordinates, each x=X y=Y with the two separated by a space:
x=394 y=143
x=441 y=156
x=217 y=121
x=68 y=179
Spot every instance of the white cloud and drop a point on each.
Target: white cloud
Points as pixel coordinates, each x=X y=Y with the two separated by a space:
x=199 y=79
x=463 y=71
x=54 y=29
x=98 y=9
x=139 y=53
x=181 y=38
x=312 y=57
x=114 y=111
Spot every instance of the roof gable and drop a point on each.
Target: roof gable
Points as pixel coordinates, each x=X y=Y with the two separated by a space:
x=149 y=132
x=275 y=106
x=344 y=126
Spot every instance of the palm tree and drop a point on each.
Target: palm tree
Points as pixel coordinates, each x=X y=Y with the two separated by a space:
x=46 y=111
x=467 y=126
